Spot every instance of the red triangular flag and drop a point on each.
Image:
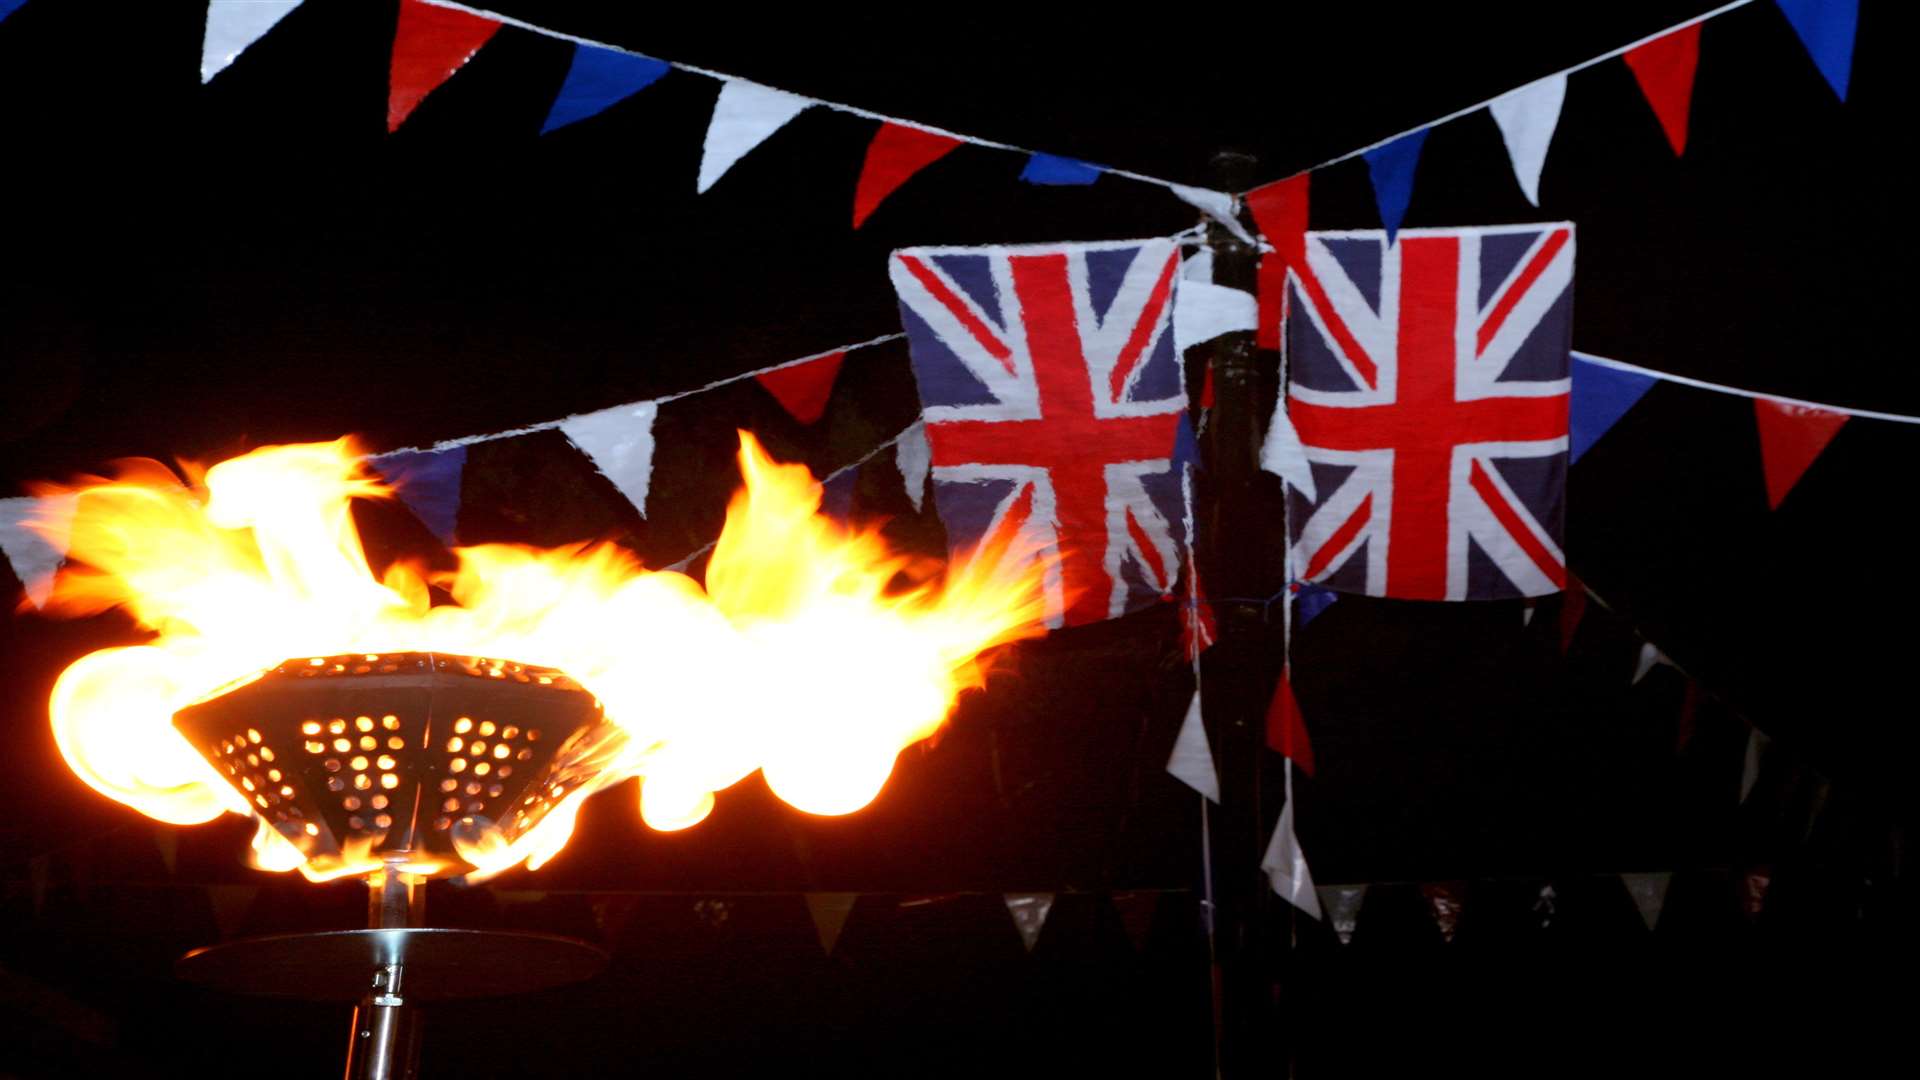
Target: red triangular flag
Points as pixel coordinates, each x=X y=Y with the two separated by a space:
x=1791 y=436
x=1664 y=68
x=429 y=44
x=1206 y=385
x=1286 y=728
x=803 y=389
x=896 y=153
x=1280 y=213
x=1573 y=605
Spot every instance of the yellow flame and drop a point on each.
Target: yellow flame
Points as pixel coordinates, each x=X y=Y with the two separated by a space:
x=803 y=658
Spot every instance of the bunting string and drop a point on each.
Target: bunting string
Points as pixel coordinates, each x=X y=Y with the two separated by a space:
x=1702 y=384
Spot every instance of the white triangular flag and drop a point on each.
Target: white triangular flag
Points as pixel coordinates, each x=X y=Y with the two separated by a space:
x=1342 y=905
x=34 y=555
x=232 y=25
x=1219 y=206
x=1526 y=614
x=1282 y=454
x=1527 y=117
x=1650 y=656
x=1192 y=759
x=1649 y=892
x=913 y=454
x=1029 y=911
x=620 y=442
x=743 y=117
x=1203 y=311
x=1286 y=867
x=1757 y=743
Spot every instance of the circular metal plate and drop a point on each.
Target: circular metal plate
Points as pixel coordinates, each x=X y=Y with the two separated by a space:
x=439 y=963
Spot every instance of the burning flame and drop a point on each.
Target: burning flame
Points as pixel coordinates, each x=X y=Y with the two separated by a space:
x=802 y=658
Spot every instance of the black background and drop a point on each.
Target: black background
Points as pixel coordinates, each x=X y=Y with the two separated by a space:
x=192 y=271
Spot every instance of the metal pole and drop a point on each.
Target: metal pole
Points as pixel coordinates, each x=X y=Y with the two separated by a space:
x=385 y=1042
x=1234 y=712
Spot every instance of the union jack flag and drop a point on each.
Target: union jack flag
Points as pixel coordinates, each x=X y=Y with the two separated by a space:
x=1051 y=392
x=1429 y=384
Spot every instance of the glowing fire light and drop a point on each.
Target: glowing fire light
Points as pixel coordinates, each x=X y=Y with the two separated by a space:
x=801 y=658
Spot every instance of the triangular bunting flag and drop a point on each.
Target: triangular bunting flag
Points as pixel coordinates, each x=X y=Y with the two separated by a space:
x=8 y=7
x=230 y=904
x=1286 y=728
x=1310 y=600
x=1757 y=743
x=1192 y=759
x=830 y=911
x=1281 y=452
x=1029 y=911
x=1136 y=911
x=1280 y=212
x=428 y=482
x=1526 y=611
x=1342 y=905
x=744 y=116
x=1527 y=117
x=1602 y=394
x=895 y=154
x=1664 y=69
x=1391 y=168
x=914 y=456
x=1649 y=658
x=1753 y=891
x=1218 y=205
x=1048 y=170
x=1791 y=436
x=1286 y=866
x=430 y=43
x=167 y=843
x=803 y=389
x=36 y=553
x=1203 y=311
x=1826 y=28
x=620 y=443
x=598 y=78
x=1573 y=605
x=1447 y=901
x=232 y=25
x=1649 y=892
x=836 y=494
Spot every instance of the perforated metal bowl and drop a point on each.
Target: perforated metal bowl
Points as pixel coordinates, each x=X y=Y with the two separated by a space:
x=388 y=753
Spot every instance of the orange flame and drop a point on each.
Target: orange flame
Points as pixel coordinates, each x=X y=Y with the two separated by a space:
x=801 y=658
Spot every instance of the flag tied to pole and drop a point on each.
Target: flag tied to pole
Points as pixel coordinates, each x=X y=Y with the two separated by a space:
x=1052 y=392
x=1429 y=387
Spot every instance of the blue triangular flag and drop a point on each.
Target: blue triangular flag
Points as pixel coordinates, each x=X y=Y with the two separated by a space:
x=1826 y=28
x=1058 y=171
x=1312 y=600
x=1601 y=396
x=598 y=78
x=1391 y=169
x=836 y=494
x=8 y=7
x=1186 y=449
x=428 y=482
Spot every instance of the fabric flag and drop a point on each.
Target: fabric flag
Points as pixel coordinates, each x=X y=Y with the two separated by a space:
x=428 y=482
x=1447 y=902
x=1342 y=905
x=1029 y=911
x=1192 y=759
x=1136 y=911
x=1649 y=892
x=1280 y=211
x=829 y=912
x=36 y=553
x=914 y=457
x=1527 y=117
x=1754 y=885
x=1391 y=168
x=895 y=154
x=1602 y=394
x=1310 y=600
x=1052 y=394
x=1428 y=383
x=232 y=25
x=619 y=441
x=1218 y=205
x=1286 y=866
x=1282 y=454
x=836 y=494
x=599 y=77
x=8 y=7
x=803 y=389
x=1826 y=28
x=1573 y=606
x=1198 y=627
x=1791 y=436
x=744 y=116
x=1649 y=658
x=430 y=43
x=1664 y=68
x=1757 y=743
x=1286 y=728
x=1051 y=171
x=1203 y=311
